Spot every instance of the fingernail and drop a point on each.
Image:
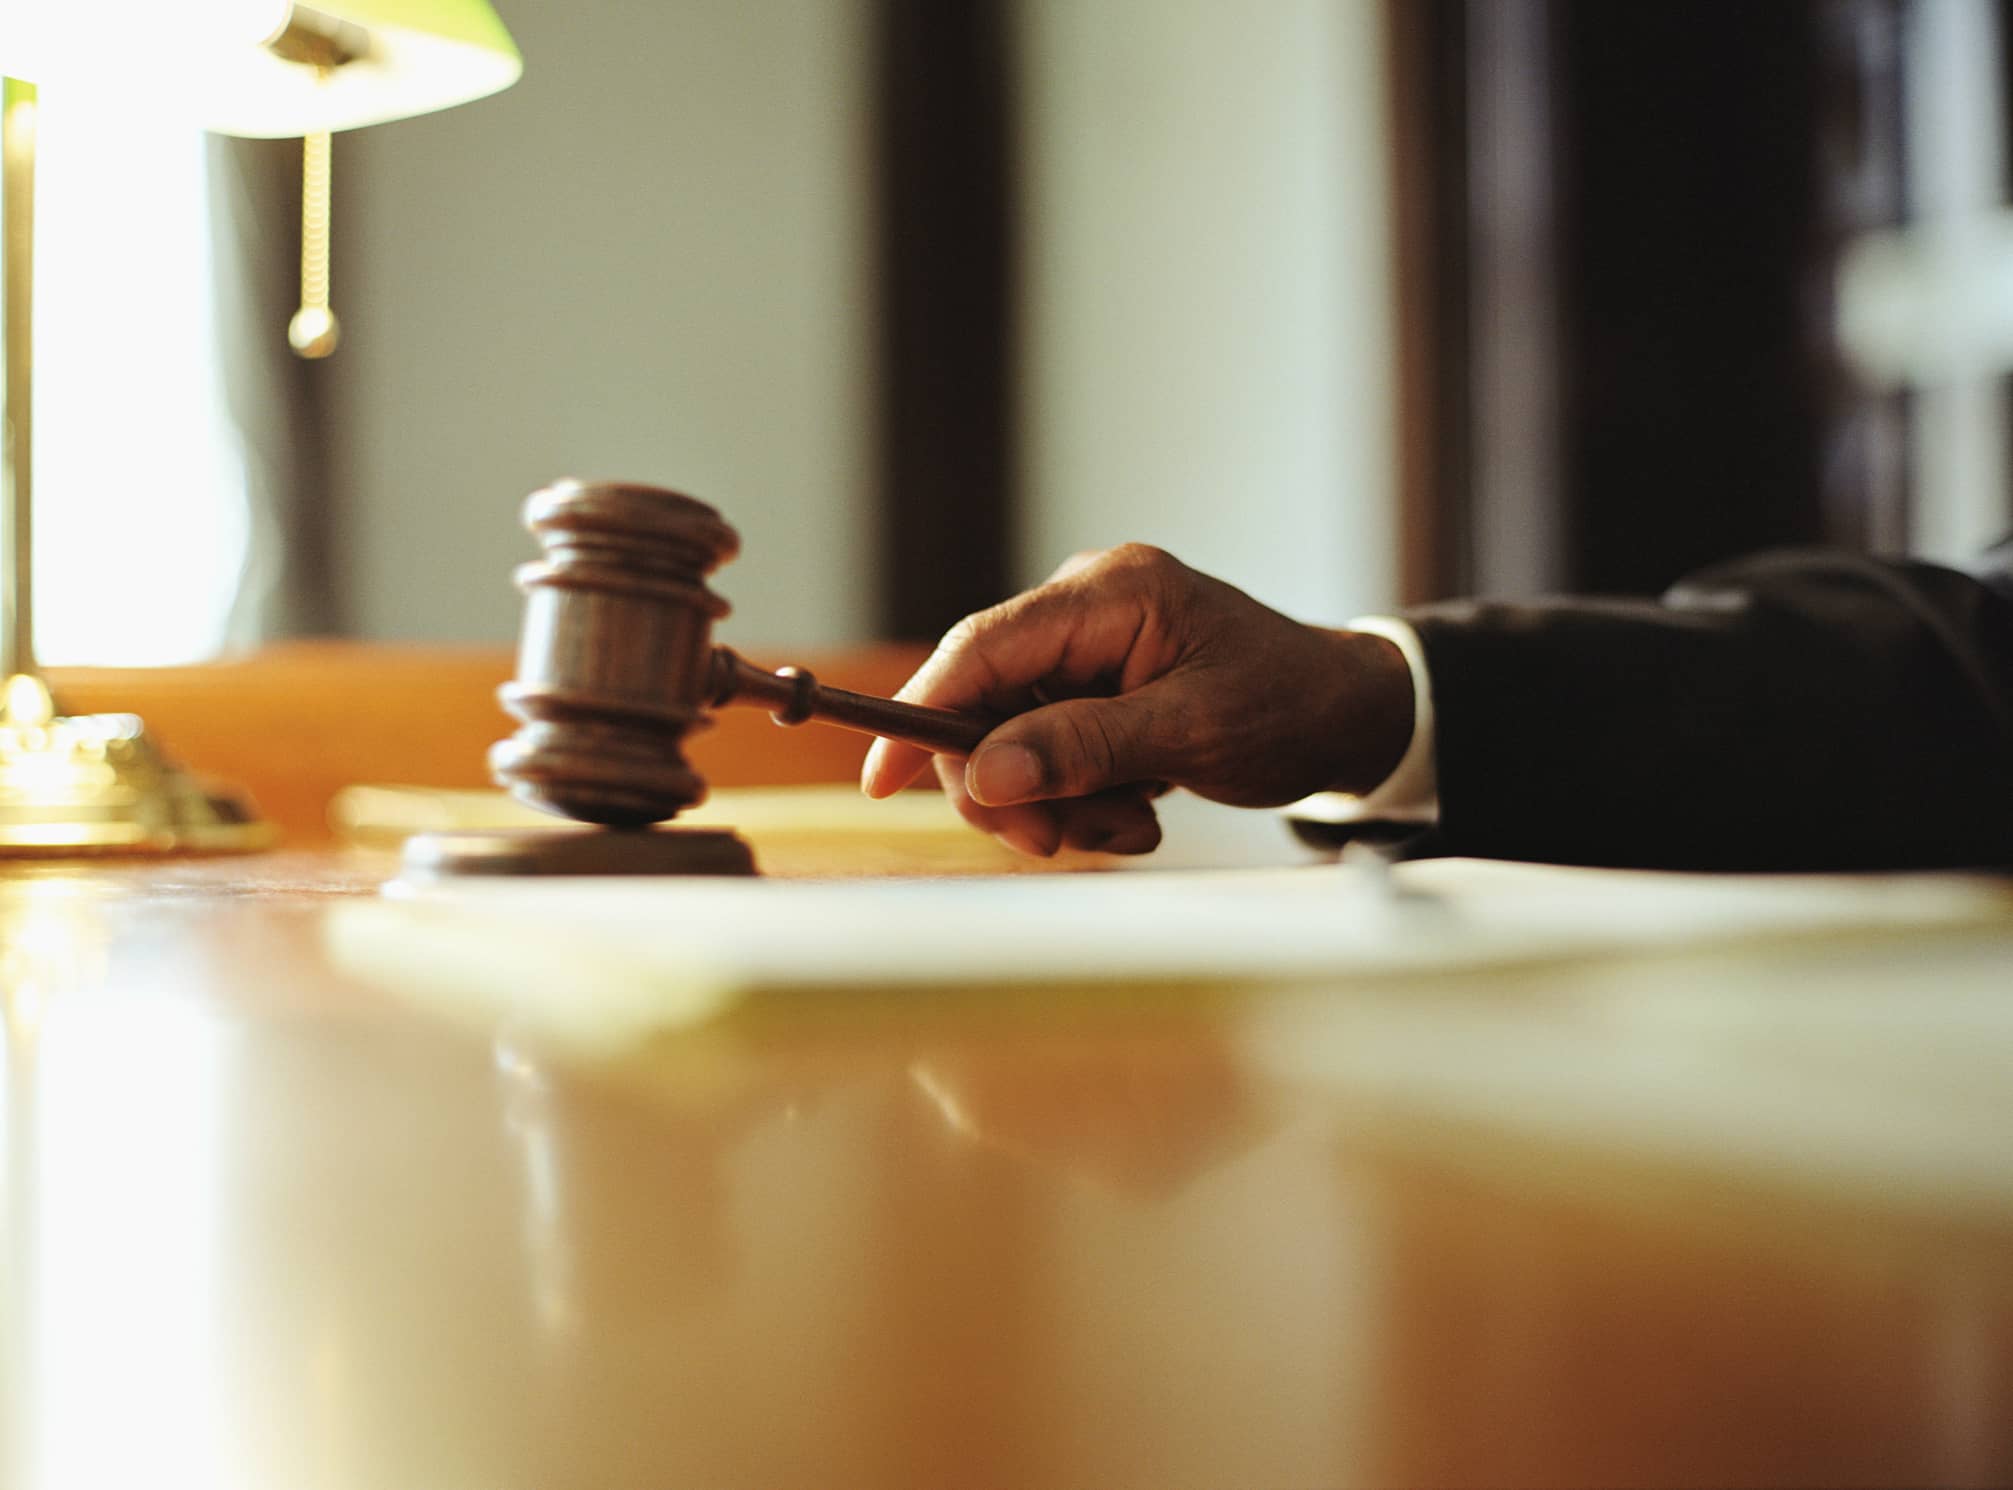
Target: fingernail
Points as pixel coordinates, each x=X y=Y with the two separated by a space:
x=870 y=767
x=1003 y=773
x=1035 y=843
x=1142 y=840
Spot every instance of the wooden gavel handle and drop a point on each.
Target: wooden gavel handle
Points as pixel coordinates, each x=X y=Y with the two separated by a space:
x=792 y=696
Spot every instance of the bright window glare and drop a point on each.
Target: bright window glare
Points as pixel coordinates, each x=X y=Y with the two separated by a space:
x=141 y=522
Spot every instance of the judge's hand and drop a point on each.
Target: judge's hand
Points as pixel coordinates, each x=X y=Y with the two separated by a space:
x=1129 y=672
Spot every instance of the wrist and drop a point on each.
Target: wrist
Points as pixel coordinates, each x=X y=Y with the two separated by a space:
x=1370 y=719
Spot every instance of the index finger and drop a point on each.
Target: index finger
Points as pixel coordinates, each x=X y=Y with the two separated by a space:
x=993 y=659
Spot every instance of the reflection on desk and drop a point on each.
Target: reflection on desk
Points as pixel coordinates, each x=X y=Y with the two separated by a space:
x=1688 y=1216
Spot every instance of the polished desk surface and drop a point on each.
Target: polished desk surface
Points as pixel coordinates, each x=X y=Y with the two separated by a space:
x=267 y=1226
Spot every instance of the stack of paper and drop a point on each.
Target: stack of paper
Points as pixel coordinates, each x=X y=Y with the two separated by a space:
x=604 y=962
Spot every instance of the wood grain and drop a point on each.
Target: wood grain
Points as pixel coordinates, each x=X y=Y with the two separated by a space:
x=278 y=1222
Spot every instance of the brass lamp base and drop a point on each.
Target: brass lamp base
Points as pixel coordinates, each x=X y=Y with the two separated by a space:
x=95 y=784
x=92 y=783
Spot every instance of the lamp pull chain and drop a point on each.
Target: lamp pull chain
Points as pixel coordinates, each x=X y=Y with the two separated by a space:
x=313 y=331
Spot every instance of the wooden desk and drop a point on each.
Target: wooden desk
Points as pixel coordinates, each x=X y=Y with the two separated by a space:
x=266 y=1227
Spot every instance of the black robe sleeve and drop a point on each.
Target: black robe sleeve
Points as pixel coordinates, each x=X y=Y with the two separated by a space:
x=1788 y=711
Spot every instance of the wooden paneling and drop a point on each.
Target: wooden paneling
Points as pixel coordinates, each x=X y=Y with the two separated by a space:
x=1618 y=232
x=1429 y=221
x=945 y=282
x=294 y=724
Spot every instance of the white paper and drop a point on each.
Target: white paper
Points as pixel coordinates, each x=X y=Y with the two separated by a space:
x=1211 y=925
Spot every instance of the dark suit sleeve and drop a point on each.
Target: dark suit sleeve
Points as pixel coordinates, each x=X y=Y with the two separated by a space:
x=1790 y=711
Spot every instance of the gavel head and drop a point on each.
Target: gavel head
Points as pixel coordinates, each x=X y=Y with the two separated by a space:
x=614 y=663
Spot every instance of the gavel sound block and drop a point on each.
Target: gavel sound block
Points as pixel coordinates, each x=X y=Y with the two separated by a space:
x=616 y=666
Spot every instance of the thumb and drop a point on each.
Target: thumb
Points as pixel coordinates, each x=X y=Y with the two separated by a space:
x=1072 y=749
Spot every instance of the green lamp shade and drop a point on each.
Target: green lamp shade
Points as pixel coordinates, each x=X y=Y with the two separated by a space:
x=416 y=56
x=209 y=62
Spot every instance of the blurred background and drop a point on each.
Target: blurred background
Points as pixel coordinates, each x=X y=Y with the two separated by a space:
x=1355 y=302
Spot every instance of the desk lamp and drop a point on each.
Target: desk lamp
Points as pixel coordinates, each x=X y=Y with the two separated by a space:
x=262 y=68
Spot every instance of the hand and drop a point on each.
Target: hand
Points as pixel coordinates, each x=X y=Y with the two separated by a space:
x=1129 y=672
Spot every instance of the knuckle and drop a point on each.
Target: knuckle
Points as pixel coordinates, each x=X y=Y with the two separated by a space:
x=1091 y=745
x=962 y=661
x=1151 y=574
x=1145 y=557
x=964 y=635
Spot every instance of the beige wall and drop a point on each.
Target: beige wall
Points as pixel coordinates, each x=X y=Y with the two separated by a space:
x=651 y=259
x=647 y=260
x=1209 y=343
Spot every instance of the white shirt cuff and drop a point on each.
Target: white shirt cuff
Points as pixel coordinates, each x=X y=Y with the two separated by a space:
x=1411 y=793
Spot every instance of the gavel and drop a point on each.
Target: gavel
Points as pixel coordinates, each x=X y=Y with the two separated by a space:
x=616 y=663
